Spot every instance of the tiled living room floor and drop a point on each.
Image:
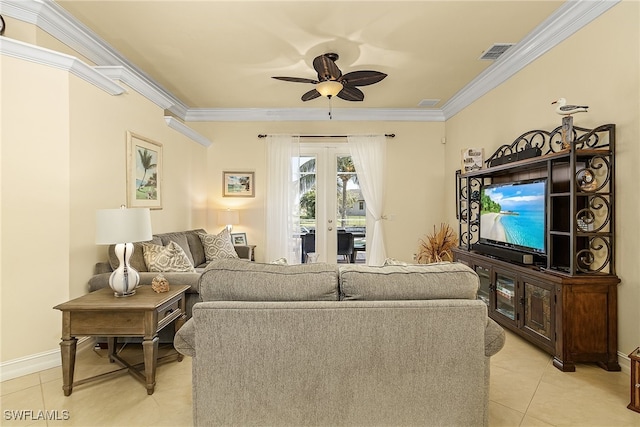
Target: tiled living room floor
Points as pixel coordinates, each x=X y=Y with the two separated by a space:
x=526 y=390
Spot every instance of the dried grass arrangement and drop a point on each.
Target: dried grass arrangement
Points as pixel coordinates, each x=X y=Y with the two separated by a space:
x=437 y=246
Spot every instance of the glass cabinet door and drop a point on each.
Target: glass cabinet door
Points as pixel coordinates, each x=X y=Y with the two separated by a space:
x=485 y=283
x=505 y=296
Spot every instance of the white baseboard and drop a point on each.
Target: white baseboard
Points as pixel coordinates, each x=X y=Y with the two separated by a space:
x=37 y=362
x=625 y=363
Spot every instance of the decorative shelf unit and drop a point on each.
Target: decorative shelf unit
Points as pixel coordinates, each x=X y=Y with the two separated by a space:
x=566 y=304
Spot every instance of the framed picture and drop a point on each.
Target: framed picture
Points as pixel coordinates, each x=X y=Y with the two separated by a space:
x=238 y=184
x=239 y=239
x=472 y=159
x=144 y=172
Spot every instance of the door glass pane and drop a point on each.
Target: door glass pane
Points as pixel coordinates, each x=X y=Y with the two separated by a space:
x=485 y=283
x=307 y=205
x=351 y=213
x=505 y=296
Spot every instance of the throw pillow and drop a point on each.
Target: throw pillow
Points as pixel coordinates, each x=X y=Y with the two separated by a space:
x=280 y=261
x=218 y=246
x=170 y=258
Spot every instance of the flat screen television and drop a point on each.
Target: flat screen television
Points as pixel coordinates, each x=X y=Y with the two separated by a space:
x=512 y=215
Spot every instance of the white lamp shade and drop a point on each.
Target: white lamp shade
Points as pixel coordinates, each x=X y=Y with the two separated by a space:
x=122 y=226
x=228 y=217
x=329 y=88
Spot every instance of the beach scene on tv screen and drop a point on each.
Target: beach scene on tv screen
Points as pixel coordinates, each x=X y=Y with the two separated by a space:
x=514 y=214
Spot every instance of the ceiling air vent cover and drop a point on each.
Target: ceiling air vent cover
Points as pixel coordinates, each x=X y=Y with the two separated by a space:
x=495 y=51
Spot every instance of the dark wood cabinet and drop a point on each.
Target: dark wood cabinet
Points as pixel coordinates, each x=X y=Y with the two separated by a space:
x=572 y=318
x=566 y=302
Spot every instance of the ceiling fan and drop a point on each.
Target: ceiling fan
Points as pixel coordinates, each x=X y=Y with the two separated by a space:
x=331 y=82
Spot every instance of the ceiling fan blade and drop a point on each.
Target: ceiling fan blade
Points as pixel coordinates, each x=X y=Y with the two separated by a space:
x=350 y=93
x=362 y=78
x=326 y=68
x=312 y=94
x=295 y=79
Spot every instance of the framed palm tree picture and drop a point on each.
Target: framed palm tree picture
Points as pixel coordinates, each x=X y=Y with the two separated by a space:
x=144 y=172
x=238 y=184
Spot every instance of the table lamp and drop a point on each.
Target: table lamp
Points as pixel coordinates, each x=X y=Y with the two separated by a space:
x=229 y=218
x=122 y=227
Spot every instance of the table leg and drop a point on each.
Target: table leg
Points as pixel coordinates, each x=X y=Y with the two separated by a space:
x=150 y=348
x=68 y=352
x=112 y=343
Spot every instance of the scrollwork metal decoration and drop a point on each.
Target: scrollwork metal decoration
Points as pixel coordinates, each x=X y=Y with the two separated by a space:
x=550 y=142
x=596 y=257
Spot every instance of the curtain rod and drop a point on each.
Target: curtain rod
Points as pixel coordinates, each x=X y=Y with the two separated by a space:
x=388 y=135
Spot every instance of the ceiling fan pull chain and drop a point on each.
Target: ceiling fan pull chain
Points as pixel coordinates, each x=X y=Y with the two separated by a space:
x=330 y=115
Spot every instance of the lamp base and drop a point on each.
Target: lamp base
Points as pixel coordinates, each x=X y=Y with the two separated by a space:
x=119 y=295
x=125 y=278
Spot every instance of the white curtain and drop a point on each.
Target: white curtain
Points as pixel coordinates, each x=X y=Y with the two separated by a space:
x=282 y=217
x=369 y=155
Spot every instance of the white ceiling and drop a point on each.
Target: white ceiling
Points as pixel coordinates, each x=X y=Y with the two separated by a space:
x=222 y=54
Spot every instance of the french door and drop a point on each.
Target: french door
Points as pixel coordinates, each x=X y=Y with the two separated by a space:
x=330 y=202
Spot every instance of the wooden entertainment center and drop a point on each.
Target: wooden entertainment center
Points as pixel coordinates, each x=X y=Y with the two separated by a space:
x=564 y=301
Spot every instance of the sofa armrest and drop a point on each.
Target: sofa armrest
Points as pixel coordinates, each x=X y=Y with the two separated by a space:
x=102 y=267
x=244 y=252
x=185 y=339
x=493 y=338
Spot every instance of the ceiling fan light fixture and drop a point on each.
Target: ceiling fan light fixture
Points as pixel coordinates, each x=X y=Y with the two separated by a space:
x=329 y=88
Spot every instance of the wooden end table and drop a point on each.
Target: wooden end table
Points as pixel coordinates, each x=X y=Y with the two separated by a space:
x=102 y=314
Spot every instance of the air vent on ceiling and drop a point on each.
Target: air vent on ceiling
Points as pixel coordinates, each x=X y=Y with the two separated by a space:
x=428 y=102
x=495 y=51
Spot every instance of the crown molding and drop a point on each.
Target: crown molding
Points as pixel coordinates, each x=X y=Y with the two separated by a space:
x=177 y=125
x=311 y=114
x=51 y=58
x=133 y=80
x=55 y=20
x=565 y=21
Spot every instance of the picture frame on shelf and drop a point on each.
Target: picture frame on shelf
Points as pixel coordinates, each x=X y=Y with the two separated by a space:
x=239 y=239
x=144 y=172
x=472 y=159
x=238 y=184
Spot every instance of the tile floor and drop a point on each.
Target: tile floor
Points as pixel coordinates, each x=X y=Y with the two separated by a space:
x=526 y=390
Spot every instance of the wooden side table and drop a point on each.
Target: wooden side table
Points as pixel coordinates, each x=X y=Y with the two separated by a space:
x=635 y=380
x=102 y=314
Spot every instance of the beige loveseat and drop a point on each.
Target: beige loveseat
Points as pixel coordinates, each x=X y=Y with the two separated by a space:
x=312 y=344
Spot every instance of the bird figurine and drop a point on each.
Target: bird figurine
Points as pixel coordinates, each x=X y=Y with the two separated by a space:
x=566 y=110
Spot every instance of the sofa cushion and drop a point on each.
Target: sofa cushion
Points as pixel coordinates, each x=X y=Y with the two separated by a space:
x=166 y=258
x=412 y=282
x=218 y=246
x=137 y=258
x=241 y=280
x=181 y=240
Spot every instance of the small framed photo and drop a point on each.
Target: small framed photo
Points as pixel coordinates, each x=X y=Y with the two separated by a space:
x=472 y=159
x=144 y=172
x=239 y=239
x=238 y=184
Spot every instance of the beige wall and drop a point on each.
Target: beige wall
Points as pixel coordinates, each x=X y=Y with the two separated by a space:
x=64 y=157
x=35 y=228
x=414 y=174
x=600 y=67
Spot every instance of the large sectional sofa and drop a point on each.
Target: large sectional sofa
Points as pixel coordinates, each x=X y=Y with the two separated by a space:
x=321 y=345
x=189 y=241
